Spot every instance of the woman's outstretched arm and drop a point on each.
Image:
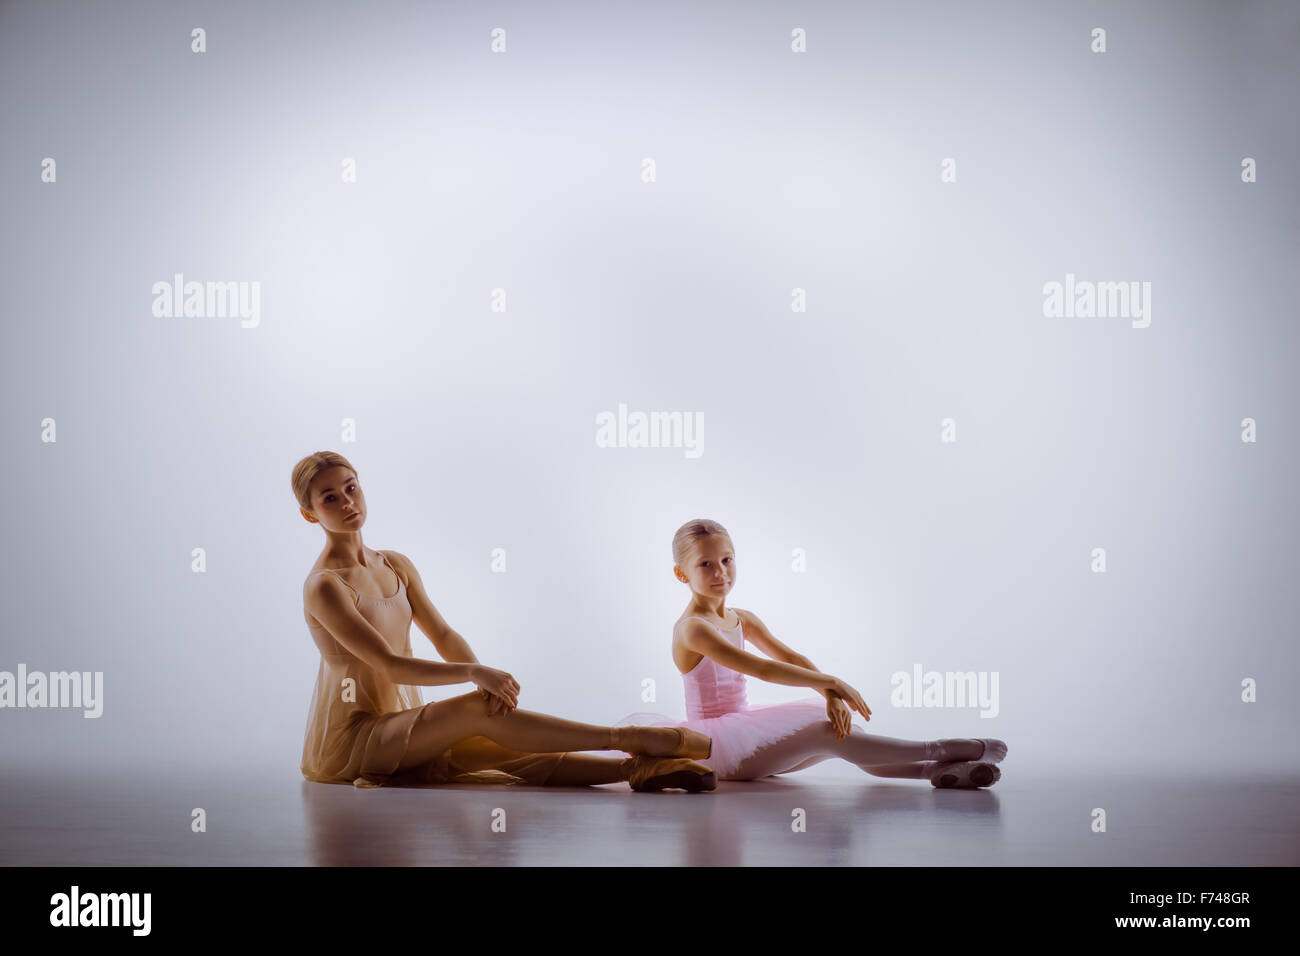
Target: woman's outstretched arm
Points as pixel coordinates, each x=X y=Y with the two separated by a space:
x=446 y=641
x=444 y=638
x=329 y=602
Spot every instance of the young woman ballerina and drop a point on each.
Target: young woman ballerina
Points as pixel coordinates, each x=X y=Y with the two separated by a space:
x=752 y=742
x=367 y=725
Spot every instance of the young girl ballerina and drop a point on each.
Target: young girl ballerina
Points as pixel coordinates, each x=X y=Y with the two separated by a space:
x=752 y=742
x=367 y=725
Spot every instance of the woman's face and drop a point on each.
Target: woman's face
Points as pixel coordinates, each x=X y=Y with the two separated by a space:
x=711 y=567
x=337 y=501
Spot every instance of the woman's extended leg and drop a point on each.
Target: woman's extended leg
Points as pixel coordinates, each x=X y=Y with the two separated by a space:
x=870 y=752
x=588 y=770
x=445 y=722
x=572 y=770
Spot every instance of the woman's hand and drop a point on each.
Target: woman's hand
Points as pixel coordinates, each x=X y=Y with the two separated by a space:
x=851 y=697
x=840 y=716
x=498 y=683
x=495 y=705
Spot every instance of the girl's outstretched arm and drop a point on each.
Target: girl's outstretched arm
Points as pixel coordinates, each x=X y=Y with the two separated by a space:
x=704 y=639
x=756 y=633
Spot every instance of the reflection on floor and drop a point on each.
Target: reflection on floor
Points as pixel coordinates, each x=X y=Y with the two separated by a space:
x=69 y=818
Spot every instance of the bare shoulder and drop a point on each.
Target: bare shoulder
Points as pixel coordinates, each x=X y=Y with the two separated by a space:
x=687 y=622
x=321 y=580
x=749 y=619
x=322 y=584
x=692 y=627
x=686 y=627
x=401 y=563
x=685 y=657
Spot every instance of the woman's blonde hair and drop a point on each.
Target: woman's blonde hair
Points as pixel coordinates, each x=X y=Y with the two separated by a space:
x=305 y=472
x=690 y=533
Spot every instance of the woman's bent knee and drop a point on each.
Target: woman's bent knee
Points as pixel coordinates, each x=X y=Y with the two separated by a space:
x=466 y=707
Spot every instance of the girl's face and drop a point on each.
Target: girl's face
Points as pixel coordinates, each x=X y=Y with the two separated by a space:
x=710 y=569
x=337 y=499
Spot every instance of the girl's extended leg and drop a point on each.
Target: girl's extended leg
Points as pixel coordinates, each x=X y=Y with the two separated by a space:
x=916 y=770
x=881 y=756
x=446 y=722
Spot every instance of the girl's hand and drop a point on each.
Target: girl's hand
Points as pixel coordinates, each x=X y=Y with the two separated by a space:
x=498 y=683
x=840 y=716
x=851 y=697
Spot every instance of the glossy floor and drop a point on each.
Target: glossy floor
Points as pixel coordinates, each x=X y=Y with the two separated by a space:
x=278 y=819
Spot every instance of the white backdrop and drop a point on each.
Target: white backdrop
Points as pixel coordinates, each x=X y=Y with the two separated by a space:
x=645 y=188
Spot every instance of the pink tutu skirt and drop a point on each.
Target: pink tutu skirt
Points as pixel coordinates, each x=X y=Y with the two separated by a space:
x=741 y=733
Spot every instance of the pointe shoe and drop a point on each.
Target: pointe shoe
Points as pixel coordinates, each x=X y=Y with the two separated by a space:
x=651 y=774
x=690 y=743
x=994 y=750
x=965 y=774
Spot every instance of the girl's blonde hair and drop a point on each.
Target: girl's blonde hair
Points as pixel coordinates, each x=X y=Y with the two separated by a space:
x=306 y=471
x=690 y=533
